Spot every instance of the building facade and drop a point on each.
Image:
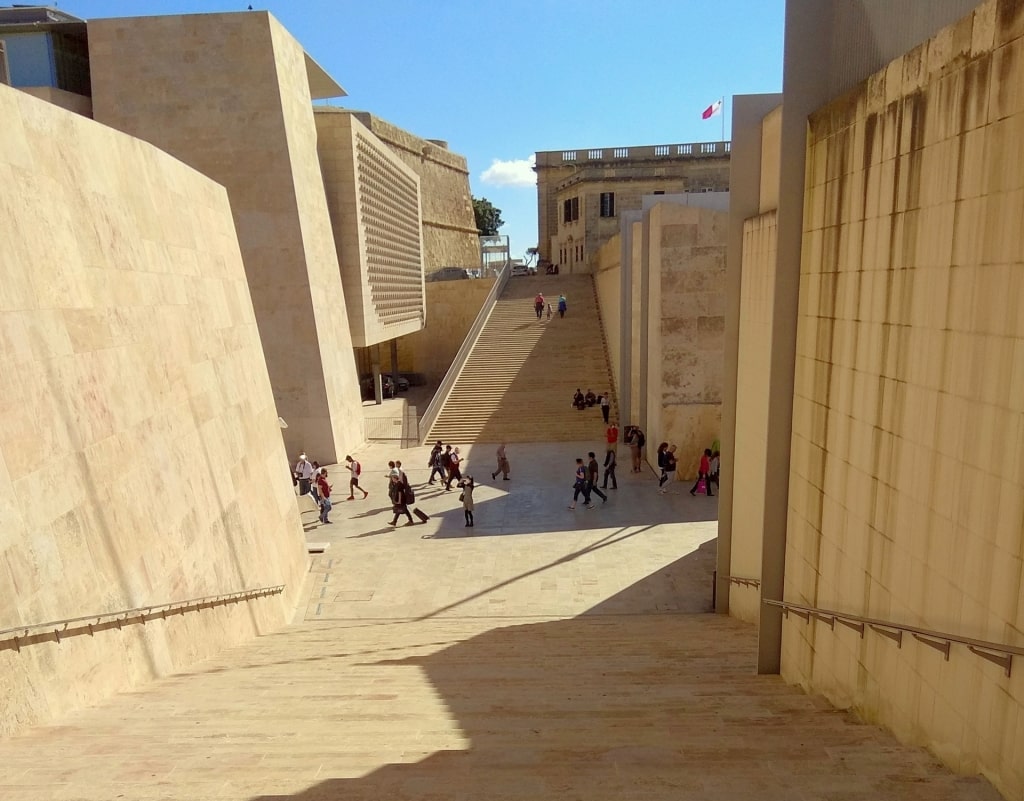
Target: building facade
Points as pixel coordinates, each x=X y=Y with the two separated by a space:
x=872 y=411
x=582 y=194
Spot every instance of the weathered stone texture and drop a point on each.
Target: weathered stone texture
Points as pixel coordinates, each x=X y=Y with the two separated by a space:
x=140 y=457
x=907 y=479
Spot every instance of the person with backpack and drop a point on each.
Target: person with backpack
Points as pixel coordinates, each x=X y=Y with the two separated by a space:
x=436 y=464
x=668 y=469
x=402 y=496
x=353 y=483
x=563 y=306
x=454 y=470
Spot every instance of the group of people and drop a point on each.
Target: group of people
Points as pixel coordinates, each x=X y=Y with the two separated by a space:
x=539 y=304
x=445 y=462
x=311 y=479
x=603 y=401
x=707 y=472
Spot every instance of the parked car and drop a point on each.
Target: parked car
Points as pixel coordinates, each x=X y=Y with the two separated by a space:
x=520 y=270
x=447 y=274
x=387 y=386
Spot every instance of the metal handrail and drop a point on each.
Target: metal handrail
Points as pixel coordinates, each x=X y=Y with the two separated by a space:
x=58 y=627
x=746 y=582
x=437 y=403
x=938 y=640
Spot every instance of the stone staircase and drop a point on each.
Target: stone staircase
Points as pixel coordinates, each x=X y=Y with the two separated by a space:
x=518 y=382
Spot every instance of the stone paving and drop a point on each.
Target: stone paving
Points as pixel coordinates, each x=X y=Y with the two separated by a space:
x=542 y=654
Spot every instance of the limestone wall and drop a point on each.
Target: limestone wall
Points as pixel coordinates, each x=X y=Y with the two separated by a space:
x=687 y=247
x=229 y=95
x=751 y=455
x=374 y=200
x=450 y=236
x=907 y=479
x=140 y=457
x=607 y=277
x=453 y=306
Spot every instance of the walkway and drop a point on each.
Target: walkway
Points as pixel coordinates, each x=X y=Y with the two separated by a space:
x=550 y=655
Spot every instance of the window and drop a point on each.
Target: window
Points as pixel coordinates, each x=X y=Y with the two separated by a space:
x=659 y=191
x=570 y=210
x=607 y=204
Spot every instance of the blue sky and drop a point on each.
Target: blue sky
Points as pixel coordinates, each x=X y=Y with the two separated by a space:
x=501 y=80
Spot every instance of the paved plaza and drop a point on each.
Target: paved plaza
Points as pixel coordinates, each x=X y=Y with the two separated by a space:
x=542 y=654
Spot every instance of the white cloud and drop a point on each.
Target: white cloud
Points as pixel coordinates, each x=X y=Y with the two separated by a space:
x=517 y=172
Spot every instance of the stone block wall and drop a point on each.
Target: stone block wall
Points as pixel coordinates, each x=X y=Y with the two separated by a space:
x=686 y=324
x=140 y=457
x=229 y=95
x=374 y=200
x=753 y=380
x=453 y=307
x=450 y=236
x=907 y=477
x=607 y=277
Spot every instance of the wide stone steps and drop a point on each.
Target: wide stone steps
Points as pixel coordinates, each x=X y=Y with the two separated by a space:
x=605 y=708
x=519 y=379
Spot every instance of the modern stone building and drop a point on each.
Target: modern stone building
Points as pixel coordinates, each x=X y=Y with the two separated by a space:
x=872 y=417
x=324 y=202
x=212 y=261
x=582 y=194
x=141 y=461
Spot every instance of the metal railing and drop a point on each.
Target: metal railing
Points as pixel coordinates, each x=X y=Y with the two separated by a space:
x=88 y=624
x=437 y=403
x=998 y=653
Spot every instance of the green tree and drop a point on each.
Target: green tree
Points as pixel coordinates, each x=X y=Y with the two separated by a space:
x=488 y=218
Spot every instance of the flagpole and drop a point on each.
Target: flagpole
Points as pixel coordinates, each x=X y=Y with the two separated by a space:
x=723 y=118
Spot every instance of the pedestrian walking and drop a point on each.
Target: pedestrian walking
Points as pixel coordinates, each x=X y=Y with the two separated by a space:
x=324 y=490
x=662 y=449
x=611 y=437
x=549 y=311
x=639 y=441
x=455 y=471
x=606 y=406
x=503 y=467
x=466 y=497
x=304 y=473
x=592 y=475
x=355 y=470
x=668 y=472
x=580 y=486
x=563 y=307
x=538 y=305
x=609 y=472
x=436 y=465
x=704 y=475
x=401 y=496
x=715 y=466
x=446 y=467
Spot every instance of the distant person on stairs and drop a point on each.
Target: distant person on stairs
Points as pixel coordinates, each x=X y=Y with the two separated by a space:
x=606 y=406
x=503 y=467
x=538 y=304
x=590 y=397
x=563 y=307
x=578 y=400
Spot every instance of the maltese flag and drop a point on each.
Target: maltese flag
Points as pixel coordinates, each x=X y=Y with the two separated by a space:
x=712 y=110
